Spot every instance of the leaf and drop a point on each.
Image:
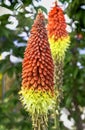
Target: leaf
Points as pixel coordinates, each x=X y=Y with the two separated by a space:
x=27 y=2
x=69 y=101
x=75 y=72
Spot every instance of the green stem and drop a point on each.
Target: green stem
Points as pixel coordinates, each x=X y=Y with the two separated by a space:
x=44 y=123
x=56 y=120
x=39 y=122
x=58 y=91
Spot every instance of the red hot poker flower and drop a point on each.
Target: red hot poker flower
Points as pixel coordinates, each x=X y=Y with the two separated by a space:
x=37 y=70
x=57 y=24
x=58 y=36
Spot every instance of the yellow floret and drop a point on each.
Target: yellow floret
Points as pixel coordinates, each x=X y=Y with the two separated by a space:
x=59 y=47
x=36 y=101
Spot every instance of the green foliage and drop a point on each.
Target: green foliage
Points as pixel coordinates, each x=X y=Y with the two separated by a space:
x=74 y=76
x=76 y=12
x=12 y=116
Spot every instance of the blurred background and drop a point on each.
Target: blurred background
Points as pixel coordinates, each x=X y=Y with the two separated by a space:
x=16 y=19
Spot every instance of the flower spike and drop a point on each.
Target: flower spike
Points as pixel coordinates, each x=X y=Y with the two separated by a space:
x=59 y=42
x=58 y=36
x=37 y=91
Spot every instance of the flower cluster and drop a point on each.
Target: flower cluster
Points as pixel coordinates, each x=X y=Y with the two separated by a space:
x=58 y=36
x=37 y=91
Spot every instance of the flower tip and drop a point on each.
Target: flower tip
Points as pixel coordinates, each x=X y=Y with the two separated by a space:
x=56 y=2
x=39 y=10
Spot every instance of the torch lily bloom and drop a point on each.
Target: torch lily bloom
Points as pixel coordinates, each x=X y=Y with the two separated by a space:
x=59 y=42
x=58 y=36
x=37 y=91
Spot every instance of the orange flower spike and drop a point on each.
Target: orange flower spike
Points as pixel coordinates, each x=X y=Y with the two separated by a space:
x=58 y=36
x=38 y=30
x=36 y=91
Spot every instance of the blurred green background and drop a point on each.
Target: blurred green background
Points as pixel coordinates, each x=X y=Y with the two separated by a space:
x=15 y=25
